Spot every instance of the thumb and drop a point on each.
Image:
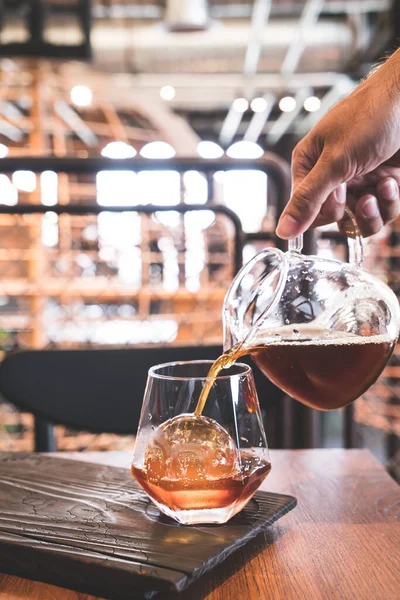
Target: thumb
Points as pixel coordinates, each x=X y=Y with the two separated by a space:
x=308 y=196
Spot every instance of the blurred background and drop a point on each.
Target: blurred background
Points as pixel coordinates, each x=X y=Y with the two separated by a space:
x=204 y=101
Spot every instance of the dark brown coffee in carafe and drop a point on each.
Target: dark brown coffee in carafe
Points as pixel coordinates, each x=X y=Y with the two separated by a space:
x=324 y=374
x=324 y=370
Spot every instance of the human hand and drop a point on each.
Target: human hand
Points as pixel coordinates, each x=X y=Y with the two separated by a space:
x=351 y=156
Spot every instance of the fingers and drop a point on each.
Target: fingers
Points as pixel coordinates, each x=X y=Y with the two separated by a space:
x=333 y=209
x=319 y=195
x=388 y=199
x=374 y=210
x=307 y=199
x=368 y=215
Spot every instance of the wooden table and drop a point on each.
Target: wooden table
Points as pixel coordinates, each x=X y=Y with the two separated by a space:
x=341 y=542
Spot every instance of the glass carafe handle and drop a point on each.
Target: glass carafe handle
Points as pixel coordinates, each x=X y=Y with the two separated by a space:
x=296 y=244
x=348 y=225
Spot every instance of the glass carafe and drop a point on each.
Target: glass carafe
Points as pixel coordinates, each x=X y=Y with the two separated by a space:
x=320 y=329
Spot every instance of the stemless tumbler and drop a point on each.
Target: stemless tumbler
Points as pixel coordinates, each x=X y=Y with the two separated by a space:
x=206 y=470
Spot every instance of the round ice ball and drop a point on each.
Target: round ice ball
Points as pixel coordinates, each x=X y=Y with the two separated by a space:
x=191 y=448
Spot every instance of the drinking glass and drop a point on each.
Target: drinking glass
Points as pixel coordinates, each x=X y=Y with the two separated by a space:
x=207 y=468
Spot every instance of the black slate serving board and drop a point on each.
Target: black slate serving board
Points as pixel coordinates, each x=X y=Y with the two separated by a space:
x=91 y=528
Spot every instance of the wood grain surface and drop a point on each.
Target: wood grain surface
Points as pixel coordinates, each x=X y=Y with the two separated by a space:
x=92 y=528
x=341 y=542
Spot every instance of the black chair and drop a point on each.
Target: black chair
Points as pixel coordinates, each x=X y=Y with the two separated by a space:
x=99 y=391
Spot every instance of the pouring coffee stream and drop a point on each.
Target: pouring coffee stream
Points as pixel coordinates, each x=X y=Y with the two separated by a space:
x=229 y=357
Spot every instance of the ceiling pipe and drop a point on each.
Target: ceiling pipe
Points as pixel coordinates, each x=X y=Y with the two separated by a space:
x=222 y=48
x=133 y=10
x=259 y=20
x=268 y=81
x=308 y=20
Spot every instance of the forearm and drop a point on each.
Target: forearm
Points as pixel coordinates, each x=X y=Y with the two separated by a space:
x=387 y=75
